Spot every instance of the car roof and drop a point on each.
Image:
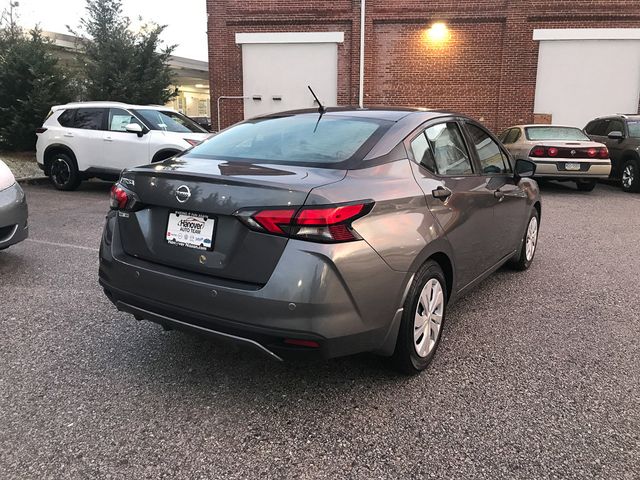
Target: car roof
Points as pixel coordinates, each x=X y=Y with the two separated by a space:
x=108 y=105
x=628 y=116
x=530 y=125
x=393 y=114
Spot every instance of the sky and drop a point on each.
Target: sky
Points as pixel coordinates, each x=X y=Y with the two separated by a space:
x=186 y=20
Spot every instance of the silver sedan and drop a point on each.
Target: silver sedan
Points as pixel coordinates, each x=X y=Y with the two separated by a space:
x=560 y=153
x=13 y=209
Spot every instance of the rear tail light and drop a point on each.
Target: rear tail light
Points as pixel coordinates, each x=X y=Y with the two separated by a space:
x=191 y=142
x=592 y=152
x=552 y=151
x=329 y=224
x=123 y=199
x=603 y=152
x=538 y=152
x=298 y=342
x=41 y=130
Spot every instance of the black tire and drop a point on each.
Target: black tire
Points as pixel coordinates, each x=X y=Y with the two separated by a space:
x=586 y=185
x=521 y=262
x=406 y=356
x=631 y=176
x=63 y=172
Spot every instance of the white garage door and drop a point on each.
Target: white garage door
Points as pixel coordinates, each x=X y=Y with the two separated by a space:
x=586 y=73
x=277 y=67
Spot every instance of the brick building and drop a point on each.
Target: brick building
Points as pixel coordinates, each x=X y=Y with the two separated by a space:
x=501 y=61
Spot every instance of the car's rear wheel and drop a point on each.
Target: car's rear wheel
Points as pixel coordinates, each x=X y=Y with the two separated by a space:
x=529 y=243
x=631 y=176
x=586 y=185
x=63 y=172
x=422 y=320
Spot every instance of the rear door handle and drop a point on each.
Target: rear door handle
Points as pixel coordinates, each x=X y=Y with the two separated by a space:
x=442 y=193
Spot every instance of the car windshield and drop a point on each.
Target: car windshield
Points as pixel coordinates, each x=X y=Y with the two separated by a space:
x=169 y=121
x=555 y=133
x=634 y=128
x=299 y=139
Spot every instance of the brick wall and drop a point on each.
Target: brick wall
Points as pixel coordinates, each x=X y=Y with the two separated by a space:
x=488 y=70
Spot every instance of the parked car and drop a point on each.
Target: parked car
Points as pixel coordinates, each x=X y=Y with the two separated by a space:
x=99 y=139
x=560 y=153
x=204 y=122
x=321 y=235
x=13 y=209
x=621 y=134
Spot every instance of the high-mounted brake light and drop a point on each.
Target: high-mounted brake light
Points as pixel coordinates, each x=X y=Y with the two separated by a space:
x=320 y=224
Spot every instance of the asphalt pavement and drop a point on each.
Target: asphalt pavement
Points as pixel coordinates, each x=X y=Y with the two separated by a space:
x=537 y=376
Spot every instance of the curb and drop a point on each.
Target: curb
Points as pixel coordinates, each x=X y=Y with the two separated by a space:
x=33 y=180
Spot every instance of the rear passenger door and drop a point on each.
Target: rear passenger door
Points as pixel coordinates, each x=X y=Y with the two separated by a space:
x=85 y=136
x=510 y=201
x=456 y=195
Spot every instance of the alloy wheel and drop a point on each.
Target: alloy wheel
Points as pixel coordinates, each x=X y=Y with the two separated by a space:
x=60 y=171
x=628 y=176
x=428 y=317
x=532 y=238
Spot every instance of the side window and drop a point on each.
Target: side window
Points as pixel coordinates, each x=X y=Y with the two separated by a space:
x=503 y=135
x=614 y=126
x=90 y=118
x=449 y=151
x=422 y=152
x=119 y=119
x=512 y=136
x=597 y=127
x=492 y=160
x=66 y=118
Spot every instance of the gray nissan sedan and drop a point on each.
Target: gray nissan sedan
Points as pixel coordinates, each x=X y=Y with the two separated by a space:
x=13 y=209
x=321 y=233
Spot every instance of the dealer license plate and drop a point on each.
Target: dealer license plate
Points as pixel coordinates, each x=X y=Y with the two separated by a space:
x=572 y=166
x=190 y=230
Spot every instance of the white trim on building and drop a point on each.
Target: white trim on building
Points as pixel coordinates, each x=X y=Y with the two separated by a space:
x=290 y=37
x=587 y=34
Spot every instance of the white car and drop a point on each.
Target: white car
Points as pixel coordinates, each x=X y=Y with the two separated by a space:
x=99 y=139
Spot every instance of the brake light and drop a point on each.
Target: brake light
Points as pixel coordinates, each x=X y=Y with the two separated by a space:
x=552 y=152
x=603 y=152
x=592 y=152
x=119 y=197
x=320 y=224
x=191 y=142
x=537 y=152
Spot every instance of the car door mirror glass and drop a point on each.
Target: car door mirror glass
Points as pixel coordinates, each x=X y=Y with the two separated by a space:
x=525 y=169
x=615 y=135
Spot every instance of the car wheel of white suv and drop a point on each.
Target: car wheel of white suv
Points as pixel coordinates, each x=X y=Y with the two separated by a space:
x=63 y=172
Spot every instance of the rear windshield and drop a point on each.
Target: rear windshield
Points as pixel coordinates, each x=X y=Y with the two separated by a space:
x=634 y=128
x=555 y=133
x=169 y=121
x=299 y=139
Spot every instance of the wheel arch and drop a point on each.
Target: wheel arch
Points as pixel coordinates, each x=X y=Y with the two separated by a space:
x=54 y=148
x=164 y=153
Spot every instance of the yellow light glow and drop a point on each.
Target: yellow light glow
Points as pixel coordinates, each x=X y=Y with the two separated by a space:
x=438 y=34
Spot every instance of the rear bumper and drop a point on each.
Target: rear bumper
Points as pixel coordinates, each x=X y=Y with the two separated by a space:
x=13 y=216
x=343 y=297
x=557 y=169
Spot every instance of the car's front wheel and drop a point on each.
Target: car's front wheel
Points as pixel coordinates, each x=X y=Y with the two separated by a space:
x=529 y=243
x=422 y=320
x=63 y=172
x=631 y=176
x=586 y=185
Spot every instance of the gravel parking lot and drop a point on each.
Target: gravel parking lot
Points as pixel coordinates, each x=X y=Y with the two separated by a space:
x=538 y=375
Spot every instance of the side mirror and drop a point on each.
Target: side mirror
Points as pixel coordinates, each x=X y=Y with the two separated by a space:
x=616 y=135
x=524 y=169
x=135 y=128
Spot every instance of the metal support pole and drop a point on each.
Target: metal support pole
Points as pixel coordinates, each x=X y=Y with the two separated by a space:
x=362 y=23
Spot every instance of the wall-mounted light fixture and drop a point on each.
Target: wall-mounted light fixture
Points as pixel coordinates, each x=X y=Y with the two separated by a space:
x=438 y=34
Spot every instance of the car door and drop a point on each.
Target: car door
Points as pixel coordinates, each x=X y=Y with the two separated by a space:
x=85 y=136
x=122 y=149
x=510 y=206
x=615 y=146
x=456 y=196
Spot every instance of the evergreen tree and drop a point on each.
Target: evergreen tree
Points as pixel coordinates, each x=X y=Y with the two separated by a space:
x=119 y=64
x=30 y=83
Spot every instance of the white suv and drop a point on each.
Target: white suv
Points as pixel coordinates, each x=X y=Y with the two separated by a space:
x=100 y=139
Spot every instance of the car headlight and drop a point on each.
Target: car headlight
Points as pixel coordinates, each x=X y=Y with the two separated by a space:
x=6 y=177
